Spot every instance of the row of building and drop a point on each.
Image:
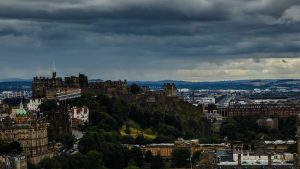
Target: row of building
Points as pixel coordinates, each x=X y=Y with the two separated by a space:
x=229 y=156
x=30 y=132
x=27 y=125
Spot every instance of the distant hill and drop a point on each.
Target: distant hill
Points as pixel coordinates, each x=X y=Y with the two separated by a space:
x=15 y=85
x=21 y=84
x=15 y=80
x=235 y=84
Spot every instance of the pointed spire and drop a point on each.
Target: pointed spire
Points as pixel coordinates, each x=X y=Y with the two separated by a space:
x=21 y=105
x=54 y=67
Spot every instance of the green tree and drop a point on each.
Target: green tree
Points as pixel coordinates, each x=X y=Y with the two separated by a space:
x=49 y=105
x=80 y=161
x=115 y=155
x=64 y=161
x=127 y=129
x=31 y=166
x=169 y=130
x=157 y=162
x=137 y=155
x=107 y=122
x=49 y=163
x=134 y=89
x=206 y=161
x=205 y=164
x=95 y=158
x=68 y=140
x=132 y=165
x=87 y=143
x=196 y=156
x=148 y=156
x=181 y=157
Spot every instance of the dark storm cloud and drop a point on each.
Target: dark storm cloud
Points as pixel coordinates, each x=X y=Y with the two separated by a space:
x=145 y=39
x=168 y=10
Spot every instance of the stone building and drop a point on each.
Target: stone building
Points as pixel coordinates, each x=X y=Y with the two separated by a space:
x=34 y=104
x=107 y=88
x=165 y=149
x=72 y=82
x=48 y=88
x=170 y=89
x=42 y=86
x=251 y=160
x=277 y=146
x=271 y=123
x=30 y=133
x=83 y=81
x=276 y=110
x=13 y=161
x=79 y=116
x=60 y=90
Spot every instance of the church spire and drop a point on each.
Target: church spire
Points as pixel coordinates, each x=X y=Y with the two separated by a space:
x=54 y=71
x=21 y=104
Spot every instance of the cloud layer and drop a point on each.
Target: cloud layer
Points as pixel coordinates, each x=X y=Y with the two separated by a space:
x=150 y=39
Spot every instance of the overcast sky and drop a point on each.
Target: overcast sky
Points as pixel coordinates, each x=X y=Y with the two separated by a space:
x=196 y=40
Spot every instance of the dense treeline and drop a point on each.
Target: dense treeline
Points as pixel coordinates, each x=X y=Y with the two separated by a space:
x=99 y=149
x=247 y=129
x=168 y=120
x=109 y=116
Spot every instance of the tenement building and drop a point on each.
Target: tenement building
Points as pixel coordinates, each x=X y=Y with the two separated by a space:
x=277 y=110
x=13 y=162
x=30 y=133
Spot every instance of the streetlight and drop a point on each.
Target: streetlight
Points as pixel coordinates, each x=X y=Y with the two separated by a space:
x=191 y=160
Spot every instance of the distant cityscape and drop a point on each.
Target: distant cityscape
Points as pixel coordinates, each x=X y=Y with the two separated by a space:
x=39 y=119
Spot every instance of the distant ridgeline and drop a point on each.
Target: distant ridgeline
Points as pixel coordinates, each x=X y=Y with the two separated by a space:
x=17 y=85
x=234 y=84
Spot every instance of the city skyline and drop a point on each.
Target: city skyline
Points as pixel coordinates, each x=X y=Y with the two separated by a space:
x=196 y=40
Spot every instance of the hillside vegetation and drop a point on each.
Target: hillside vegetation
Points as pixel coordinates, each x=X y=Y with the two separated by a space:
x=167 y=119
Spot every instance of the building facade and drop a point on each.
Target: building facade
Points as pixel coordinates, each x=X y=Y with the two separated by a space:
x=13 y=161
x=34 y=104
x=279 y=110
x=79 y=116
x=30 y=133
x=107 y=88
x=165 y=149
